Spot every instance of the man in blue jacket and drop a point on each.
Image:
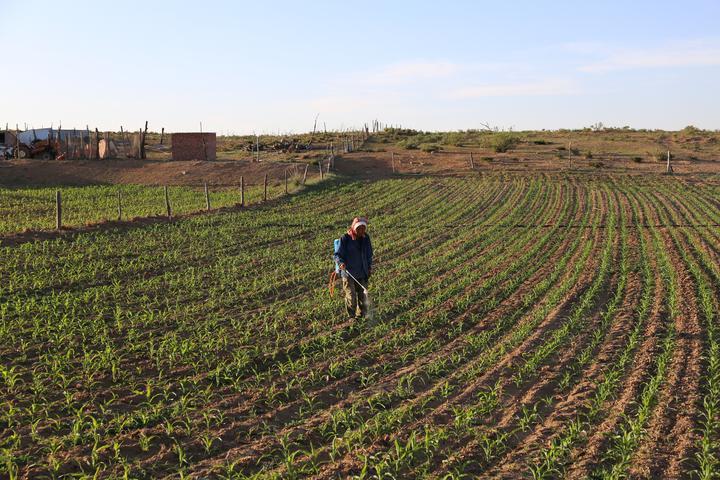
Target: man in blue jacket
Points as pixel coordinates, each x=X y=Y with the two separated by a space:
x=355 y=256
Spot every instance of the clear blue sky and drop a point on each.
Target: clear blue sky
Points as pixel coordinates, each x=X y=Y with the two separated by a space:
x=264 y=66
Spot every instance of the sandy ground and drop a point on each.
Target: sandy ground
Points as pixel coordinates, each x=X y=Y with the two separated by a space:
x=376 y=159
x=34 y=172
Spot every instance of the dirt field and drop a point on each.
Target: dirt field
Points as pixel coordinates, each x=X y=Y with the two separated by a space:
x=583 y=151
x=527 y=322
x=35 y=172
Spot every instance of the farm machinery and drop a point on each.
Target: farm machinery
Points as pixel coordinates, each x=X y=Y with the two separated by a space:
x=45 y=149
x=22 y=145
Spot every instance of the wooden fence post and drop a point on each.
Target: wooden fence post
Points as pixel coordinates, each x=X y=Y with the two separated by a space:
x=119 y=205
x=202 y=137
x=472 y=162
x=321 y=171
x=265 y=188
x=242 y=191
x=96 y=150
x=669 y=168
x=142 y=141
x=58 y=210
x=140 y=147
x=207 y=197
x=393 y=161
x=305 y=174
x=167 y=202
x=162 y=135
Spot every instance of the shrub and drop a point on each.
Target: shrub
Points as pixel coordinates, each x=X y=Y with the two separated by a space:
x=661 y=156
x=503 y=142
x=454 y=138
x=401 y=132
x=637 y=159
x=415 y=141
x=597 y=164
x=691 y=130
x=662 y=138
x=409 y=144
x=430 y=147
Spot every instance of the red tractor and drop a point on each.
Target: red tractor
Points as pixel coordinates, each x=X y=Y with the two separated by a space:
x=45 y=149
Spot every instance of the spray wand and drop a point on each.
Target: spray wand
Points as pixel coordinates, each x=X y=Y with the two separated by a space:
x=365 y=290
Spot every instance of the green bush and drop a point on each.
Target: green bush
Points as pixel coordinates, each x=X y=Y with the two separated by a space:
x=661 y=155
x=409 y=144
x=416 y=141
x=502 y=142
x=691 y=130
x=456 y=139
x=401 y=132
x=430 y=147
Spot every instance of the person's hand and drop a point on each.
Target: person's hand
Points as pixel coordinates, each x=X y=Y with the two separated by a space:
x=342 y=266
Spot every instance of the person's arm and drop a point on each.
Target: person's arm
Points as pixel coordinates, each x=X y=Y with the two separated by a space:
x=341 y=254
x=370 y=256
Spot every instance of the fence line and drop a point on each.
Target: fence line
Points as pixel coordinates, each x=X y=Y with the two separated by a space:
x=85 y=144
x=73 y=206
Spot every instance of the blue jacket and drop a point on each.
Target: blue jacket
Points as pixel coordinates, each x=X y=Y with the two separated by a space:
x=357 y=255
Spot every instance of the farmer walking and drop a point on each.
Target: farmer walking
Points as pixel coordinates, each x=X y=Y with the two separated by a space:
x=355 y=255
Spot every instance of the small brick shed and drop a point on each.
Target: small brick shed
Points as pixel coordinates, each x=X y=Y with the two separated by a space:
x=194 y=146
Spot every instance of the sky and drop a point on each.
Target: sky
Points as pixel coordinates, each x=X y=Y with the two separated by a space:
x=273 y=66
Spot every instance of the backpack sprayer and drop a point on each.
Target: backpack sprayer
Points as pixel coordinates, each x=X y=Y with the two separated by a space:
x=334 y=274
x=333 y=278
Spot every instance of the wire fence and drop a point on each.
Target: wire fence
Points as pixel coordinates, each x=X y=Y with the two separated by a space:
x=44 y=208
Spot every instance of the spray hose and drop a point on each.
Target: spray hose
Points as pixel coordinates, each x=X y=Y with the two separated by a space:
x=331 y=282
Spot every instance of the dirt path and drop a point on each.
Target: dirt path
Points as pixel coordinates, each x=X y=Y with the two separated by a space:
x=35 y=172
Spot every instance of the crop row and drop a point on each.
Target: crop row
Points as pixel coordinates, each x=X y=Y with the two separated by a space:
x=523 y=325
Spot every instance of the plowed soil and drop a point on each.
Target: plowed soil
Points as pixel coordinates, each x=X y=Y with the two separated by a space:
x=525 y=324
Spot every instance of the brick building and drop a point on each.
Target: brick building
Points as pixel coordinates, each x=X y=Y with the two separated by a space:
x=194 y=146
